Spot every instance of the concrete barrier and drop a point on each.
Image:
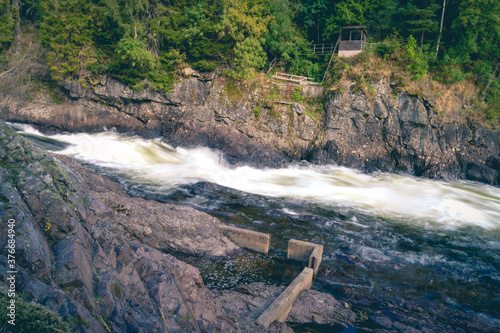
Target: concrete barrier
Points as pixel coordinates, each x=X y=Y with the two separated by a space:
x=282 y=305
x=307 y=252
x=248 y=239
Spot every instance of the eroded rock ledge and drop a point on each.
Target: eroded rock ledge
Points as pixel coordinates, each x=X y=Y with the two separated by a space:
x=391 y=132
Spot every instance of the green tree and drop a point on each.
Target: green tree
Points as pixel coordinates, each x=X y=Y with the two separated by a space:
x=67 y=29
x=284 y=40
x=475 y=43
x=418 y=64
x=375 y=15
x=248 y=54
x=421 y=18
x=7 y=23
x=313 y=16
x=245 y=22
x=345 y=13
x=130 y=16
x=244 y=18
x=132 y=52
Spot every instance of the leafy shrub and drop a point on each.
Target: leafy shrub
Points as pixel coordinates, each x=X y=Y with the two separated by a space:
x=132 y=53
x=248 y=55
x=297 y=95
x=204 y=65
x=31 y=317
x=418 y=63
x=256 y=111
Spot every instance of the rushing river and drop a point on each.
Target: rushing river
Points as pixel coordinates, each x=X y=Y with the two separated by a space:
x=394 y=245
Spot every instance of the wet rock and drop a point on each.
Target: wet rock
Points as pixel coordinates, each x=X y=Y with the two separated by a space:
x=404 y=328
x=382 y=321
x=313 y=306
x=246 y=303
x=164 y=226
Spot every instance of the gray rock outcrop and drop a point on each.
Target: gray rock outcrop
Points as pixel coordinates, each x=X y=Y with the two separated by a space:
x=391 y=132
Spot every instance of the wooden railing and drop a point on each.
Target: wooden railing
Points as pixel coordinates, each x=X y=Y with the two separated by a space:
x=294 y=78
x=323 y=48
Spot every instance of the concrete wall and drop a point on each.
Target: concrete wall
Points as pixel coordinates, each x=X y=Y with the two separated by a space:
x=313 y=91
x=282 y=305
x=348 y=54
x=307 y=252
x=248 y=239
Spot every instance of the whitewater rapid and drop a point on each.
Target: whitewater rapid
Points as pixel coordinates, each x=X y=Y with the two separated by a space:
x=161 y=168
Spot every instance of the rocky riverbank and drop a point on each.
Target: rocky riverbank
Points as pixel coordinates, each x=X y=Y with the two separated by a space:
x=99 y=258
x=391 y=131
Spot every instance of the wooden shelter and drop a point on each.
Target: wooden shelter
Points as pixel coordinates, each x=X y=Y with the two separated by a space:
x=351 y=40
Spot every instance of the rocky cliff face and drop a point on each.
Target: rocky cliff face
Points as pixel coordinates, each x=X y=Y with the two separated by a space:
x=390 y=132
x=404 y=134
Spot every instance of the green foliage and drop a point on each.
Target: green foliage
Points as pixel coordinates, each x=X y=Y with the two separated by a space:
x=204 y=65
x=137 y=67
x=245 y=22
x=256 y=111
x=313 y=14
x=7 y=23
x=163 y=78
x=31 y=317
x=144 y=42
x=375 y=15
x=66 y=30
x=347 y=12
x=248 y=54
x=80 y=321
x=117 y=290
x=297 y=95
x=283 y=39
x=420 y=17
x=418 y=65
x=127 y=16
x=132 y=53
x=388 y=46
x=243 y=19
x=493 y=106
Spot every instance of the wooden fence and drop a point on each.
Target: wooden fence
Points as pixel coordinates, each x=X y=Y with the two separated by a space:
x=294 y=78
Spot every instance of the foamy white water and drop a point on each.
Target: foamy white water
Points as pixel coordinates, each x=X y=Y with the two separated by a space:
x=431 y=203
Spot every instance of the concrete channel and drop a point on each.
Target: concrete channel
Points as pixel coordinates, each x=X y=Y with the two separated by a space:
x=279 y=309
x=309 y=253
x=248 y=239
x=306 y=252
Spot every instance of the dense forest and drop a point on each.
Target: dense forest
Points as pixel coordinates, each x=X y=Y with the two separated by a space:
x=142 y=42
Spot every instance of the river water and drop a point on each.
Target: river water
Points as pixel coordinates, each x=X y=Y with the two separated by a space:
x=409 y=249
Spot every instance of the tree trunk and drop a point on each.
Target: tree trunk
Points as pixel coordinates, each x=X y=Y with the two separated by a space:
x=16 y=5
x=440 y=30
x=317 y=28
x=422 y=40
